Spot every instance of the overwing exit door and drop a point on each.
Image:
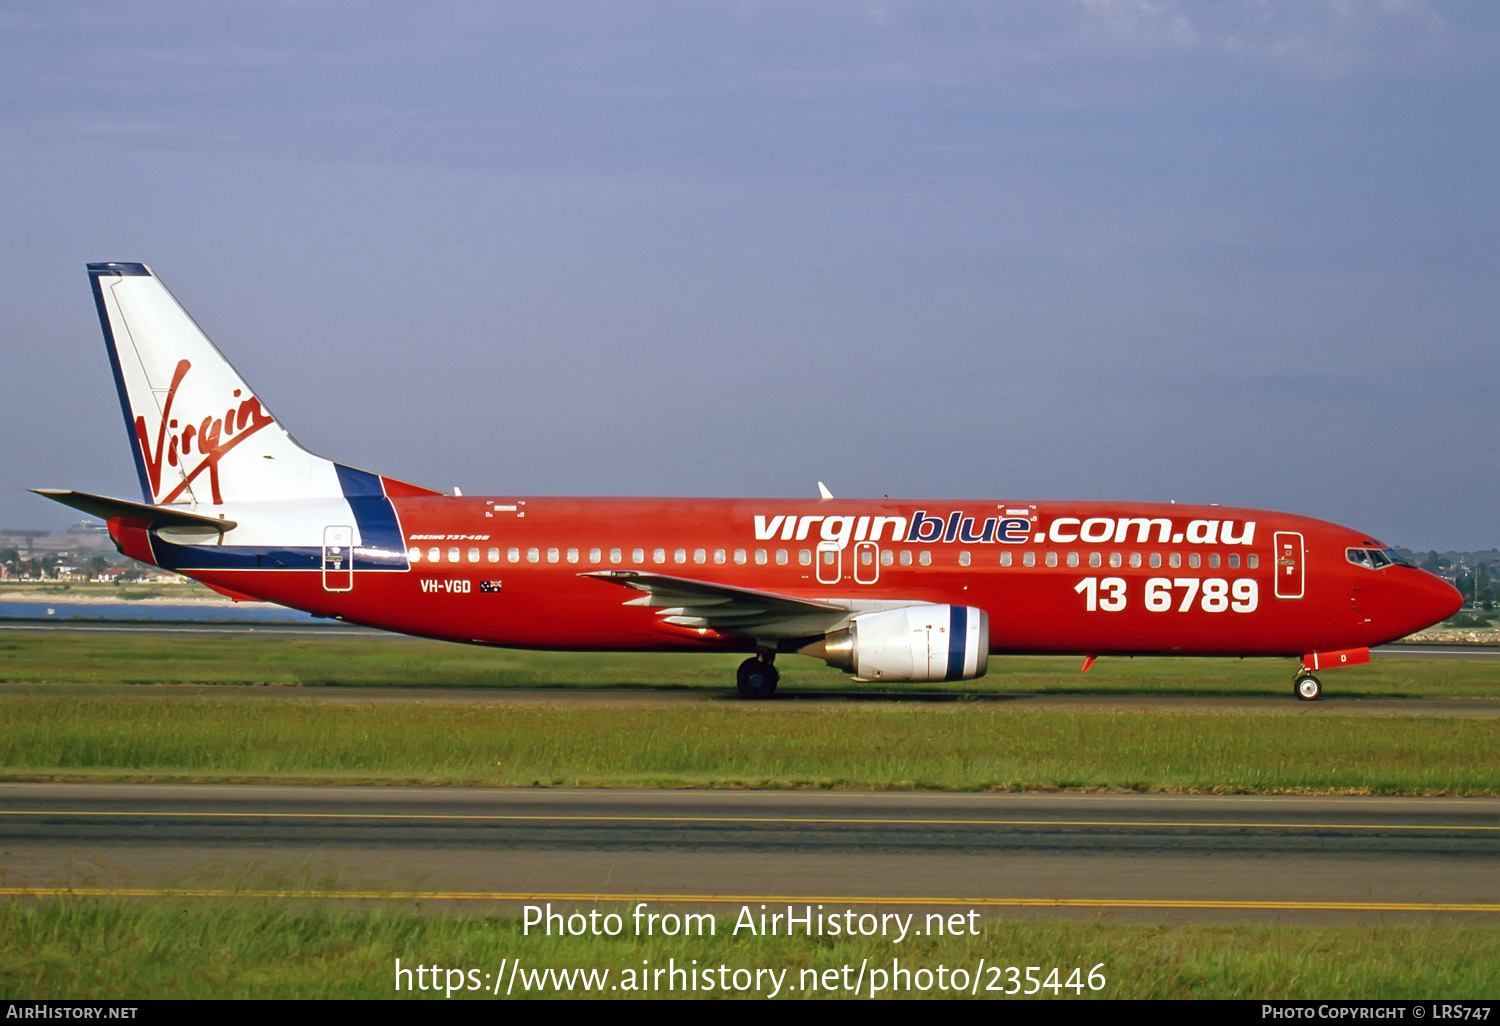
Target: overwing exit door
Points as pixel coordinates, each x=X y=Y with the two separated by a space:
x=830 y=562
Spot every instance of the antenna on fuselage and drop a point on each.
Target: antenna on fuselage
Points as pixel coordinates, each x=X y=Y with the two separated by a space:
x=823 y=492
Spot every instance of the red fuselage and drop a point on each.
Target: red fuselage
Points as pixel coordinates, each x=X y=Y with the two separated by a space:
x=1053 y=577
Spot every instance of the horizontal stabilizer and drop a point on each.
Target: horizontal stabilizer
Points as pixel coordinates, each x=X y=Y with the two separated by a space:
x=158 y=516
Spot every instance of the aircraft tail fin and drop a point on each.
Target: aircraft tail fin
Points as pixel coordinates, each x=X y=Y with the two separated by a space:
x=198 y=432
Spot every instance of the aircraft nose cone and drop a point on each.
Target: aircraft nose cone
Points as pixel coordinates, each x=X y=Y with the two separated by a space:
x=1411 y=600
x=1432 y=599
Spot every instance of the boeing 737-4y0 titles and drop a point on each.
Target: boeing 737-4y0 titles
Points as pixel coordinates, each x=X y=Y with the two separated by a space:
x=885 y=590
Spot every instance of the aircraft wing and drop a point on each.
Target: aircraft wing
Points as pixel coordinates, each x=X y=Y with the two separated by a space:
x=685 y=602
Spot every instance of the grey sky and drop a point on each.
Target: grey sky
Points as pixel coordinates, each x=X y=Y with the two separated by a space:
x=1241 y=253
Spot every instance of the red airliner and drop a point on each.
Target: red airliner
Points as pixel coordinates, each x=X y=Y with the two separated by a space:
x=884 y=590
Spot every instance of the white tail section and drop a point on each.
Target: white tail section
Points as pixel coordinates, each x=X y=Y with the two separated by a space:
x=199 y=434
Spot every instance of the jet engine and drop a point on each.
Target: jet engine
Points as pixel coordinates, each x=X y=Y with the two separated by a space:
x=912 y=643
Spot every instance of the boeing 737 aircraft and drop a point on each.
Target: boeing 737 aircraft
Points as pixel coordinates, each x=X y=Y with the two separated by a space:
x=884 y=590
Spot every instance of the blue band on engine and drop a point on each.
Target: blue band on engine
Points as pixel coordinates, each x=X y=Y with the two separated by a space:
x=958 y=633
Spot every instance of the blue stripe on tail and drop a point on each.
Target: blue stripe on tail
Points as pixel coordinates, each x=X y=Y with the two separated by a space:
x=112 y=347
x=381 y=545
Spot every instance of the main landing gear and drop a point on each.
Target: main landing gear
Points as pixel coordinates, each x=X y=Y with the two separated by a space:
x=1307 y=687
x=757 y=677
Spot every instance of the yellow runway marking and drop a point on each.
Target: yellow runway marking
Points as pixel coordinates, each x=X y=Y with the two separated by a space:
x=744 y=899
x=420 y=817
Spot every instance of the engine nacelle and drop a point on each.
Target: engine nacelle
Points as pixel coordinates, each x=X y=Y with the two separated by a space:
x=916 y=643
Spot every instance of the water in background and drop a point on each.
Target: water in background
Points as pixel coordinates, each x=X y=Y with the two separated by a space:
x=195 y=612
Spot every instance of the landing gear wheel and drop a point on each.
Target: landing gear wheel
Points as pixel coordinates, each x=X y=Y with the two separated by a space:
x=757 y=679
x=1307 y=687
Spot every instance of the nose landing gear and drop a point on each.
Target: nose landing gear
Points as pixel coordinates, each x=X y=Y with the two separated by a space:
x=1307 y=687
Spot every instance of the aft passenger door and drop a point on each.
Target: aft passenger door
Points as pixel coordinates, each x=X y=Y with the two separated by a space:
x=338 y=558
x=1290 y=577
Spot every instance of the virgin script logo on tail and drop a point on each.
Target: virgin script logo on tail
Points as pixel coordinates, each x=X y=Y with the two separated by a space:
x=210 y=439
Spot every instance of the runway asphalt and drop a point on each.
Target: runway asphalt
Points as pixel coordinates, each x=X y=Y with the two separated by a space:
x=1173 y=858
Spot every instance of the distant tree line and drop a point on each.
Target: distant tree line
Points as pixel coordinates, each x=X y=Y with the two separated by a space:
x=1477 y=589
x=1477 y=586
x=47 y=566
x=41 y=567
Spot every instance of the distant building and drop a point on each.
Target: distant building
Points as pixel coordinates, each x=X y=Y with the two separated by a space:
x=31 y=544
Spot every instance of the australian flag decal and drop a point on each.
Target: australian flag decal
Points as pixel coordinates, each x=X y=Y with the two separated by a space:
x=489 y=586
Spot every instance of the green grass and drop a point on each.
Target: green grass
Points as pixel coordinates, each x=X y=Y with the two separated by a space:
x=165 y=948
x=379 y=661
x=1475 y=619
x=529 y=741
x=964 y=736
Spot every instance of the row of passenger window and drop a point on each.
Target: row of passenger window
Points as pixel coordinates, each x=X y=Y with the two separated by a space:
x=637 y=556
x=1135 y=559
x=762 y=557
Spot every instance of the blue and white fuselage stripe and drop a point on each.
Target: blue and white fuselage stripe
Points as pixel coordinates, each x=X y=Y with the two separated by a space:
x=287 y=535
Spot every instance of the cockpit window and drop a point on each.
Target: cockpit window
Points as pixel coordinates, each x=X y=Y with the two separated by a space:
x=1375 y=559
